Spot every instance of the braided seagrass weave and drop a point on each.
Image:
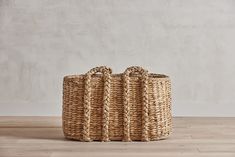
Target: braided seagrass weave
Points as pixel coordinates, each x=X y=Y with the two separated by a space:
x=133 y=106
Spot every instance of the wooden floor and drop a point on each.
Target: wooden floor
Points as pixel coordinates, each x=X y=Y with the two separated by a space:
x=43 y=137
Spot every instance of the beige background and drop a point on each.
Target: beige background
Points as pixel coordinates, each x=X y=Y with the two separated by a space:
x=190 y=40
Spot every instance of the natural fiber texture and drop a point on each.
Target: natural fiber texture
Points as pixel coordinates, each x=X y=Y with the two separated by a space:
x=144 y=85
x=134 y=105
x=87 y=102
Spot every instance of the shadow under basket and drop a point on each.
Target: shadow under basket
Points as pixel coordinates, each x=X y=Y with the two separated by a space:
x=132 y=106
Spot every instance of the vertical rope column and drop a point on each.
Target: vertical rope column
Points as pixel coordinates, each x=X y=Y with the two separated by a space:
x=126 y=113
x=145 y=107
x=87 y=103
x=106 y=100
x=87 y=109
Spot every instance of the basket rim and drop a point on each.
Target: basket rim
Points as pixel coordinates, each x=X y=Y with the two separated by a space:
x=150 y=75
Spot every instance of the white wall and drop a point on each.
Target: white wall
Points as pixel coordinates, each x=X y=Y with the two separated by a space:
x=193 y=41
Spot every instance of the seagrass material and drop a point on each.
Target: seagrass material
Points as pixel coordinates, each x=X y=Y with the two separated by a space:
x=133 y=106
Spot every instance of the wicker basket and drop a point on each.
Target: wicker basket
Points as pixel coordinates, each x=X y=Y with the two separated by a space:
x=133 y=106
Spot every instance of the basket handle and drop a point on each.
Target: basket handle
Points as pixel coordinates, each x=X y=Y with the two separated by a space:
x=87 y=102
x=144 y=83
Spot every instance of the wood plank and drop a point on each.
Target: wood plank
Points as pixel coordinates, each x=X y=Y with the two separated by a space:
x=43 y=136
x=29 y=121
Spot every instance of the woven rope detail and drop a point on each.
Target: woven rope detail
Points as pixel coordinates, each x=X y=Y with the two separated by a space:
x=144 y=83
x=106 y=100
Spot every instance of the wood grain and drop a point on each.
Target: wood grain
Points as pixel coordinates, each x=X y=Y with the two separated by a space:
x=43 y=136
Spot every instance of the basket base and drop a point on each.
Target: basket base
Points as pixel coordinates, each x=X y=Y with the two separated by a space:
x=117 y=139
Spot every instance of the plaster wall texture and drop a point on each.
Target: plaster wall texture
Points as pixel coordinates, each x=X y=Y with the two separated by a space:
x=192 y=41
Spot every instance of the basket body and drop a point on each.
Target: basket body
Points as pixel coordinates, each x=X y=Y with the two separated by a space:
x=158 y=112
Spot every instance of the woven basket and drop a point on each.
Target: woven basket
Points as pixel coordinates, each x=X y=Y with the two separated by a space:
x=133 y=106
